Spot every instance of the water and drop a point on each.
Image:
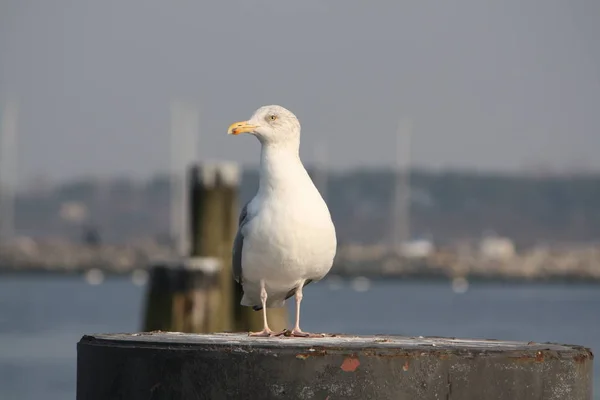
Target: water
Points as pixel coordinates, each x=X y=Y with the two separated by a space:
x=42 y=318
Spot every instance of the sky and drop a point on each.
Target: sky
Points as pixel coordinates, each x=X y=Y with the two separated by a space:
x=503 y=86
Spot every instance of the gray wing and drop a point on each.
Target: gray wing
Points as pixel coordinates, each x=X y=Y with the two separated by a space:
x=238 y=244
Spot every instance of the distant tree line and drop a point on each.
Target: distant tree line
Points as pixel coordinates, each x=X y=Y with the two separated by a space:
x=445 y=206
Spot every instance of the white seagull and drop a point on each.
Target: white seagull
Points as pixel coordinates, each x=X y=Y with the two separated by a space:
x=286 y=238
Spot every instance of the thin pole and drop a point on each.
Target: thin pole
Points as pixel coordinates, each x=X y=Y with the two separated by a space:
x=8 y=169
x=185 y=123
x=400 y=229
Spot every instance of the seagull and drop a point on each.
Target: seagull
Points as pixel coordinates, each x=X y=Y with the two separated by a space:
x=286 y=238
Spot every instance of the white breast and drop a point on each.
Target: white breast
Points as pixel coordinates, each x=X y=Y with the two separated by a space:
x=291 y=239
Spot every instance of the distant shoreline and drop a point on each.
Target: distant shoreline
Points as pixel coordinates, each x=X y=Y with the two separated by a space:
x=409 y=277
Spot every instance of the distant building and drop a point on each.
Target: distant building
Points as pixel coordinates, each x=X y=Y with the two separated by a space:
x=497 y=248
x=418 y=248
x=74 y=212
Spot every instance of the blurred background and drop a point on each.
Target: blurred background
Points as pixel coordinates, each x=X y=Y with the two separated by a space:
x=455 y=143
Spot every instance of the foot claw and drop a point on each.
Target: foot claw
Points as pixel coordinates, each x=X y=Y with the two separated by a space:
x=267 y=333
x=263 y=333
x=299 y=333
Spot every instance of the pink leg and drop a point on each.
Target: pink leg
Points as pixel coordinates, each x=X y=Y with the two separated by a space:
x=297 y=331
x=263 y=299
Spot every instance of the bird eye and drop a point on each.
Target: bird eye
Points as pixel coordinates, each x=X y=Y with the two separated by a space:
x=272 y=117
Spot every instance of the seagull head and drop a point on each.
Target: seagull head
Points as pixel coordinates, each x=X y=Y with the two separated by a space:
x=270 y=124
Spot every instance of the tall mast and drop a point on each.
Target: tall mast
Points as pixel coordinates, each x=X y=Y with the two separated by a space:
x=185 y=125
x=400 y=227
x=8 y=169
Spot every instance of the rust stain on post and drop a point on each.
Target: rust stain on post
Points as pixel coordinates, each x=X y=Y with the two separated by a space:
x=582 y=358
x=405 y=366
x=350 y=364
x=539 y=356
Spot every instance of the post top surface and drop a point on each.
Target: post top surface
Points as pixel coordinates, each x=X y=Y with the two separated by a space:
x=381 y=343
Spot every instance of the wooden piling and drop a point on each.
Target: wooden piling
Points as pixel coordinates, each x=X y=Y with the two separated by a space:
x=182 y=296
x=210 y=296
x=234 y=366
x=208 y=215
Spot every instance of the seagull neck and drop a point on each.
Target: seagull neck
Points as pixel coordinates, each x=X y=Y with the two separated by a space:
x=277 y=163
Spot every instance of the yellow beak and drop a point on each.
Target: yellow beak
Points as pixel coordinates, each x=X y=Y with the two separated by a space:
x=240 y=127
